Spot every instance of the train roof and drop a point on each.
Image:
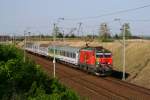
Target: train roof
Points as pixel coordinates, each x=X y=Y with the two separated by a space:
x=64 y=48
x=99 y=49
x=92 y=48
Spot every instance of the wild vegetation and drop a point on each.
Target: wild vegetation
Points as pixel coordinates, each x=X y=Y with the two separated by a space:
x=21 y=80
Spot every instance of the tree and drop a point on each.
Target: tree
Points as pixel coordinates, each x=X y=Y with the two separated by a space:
x=57 y=31
x=116 y=36
x=126 y=26
x=60 y=35
x=72 y=35
x=104 y=33
x=67 y=36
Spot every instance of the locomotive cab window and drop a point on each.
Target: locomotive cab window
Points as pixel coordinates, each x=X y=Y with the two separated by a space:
x=99 y=55
x=107 y=55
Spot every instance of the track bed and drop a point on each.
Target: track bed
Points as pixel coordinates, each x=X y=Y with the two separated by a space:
x=93 y=87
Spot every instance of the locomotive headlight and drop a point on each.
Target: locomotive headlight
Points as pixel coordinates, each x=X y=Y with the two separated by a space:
x=97 y=65
x=97 y=61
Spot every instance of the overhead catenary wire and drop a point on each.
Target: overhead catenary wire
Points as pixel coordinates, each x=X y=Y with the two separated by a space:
x=109 y=14
x=137 y=20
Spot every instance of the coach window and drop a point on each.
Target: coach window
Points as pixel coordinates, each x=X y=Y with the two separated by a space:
x=70 y=54
x=57 y=52
x=63 y=53
x=67 y=54
x=51 y=50
x=74 y=55
x=60 y=52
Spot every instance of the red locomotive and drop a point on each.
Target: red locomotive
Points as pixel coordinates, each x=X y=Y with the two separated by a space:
x=96 y=60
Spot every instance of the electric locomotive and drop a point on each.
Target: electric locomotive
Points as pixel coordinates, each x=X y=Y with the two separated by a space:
x=97 y=60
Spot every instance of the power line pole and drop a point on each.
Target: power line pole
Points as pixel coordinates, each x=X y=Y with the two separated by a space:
x=79 y=28
x=124 y=52
x=40 y=36
x=24 y=46
x=29 y=40
x=14 y=40
x=63 y=33
x=124 y=48
x=54 y=40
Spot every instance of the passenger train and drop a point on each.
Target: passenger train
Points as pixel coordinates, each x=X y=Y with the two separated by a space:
x=96 y=60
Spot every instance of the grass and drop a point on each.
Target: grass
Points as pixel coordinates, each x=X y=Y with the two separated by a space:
x=137 y=60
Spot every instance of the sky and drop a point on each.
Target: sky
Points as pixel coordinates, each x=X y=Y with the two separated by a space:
x=38 y=16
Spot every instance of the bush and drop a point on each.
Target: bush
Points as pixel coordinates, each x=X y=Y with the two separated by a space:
x=26 y=81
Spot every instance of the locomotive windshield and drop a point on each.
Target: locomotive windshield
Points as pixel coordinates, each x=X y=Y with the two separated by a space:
x=99 y=55
x=103 y=55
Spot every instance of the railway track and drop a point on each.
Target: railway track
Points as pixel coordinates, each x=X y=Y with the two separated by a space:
x=93 y=87
x=129 y=85
x=112 y=93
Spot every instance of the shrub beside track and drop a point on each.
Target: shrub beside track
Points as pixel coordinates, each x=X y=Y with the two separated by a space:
x=26 y=81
